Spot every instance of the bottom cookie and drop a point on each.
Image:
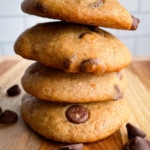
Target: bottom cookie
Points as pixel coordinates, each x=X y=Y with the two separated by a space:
x=74 y=123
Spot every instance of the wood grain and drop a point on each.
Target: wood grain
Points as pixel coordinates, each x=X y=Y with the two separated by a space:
x=20 y=137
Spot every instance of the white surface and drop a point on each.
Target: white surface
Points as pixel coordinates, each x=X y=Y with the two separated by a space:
x=13 y=22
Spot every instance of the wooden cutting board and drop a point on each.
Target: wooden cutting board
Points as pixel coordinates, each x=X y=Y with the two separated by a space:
x=20 y=137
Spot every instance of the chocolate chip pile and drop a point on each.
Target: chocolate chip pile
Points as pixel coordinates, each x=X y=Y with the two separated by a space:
x=9 y=116
x=137 y=139
x=76 y=114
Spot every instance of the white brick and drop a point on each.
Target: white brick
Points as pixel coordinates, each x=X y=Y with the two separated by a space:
x=112 y=31
x=8 y=48
x=10 y=28
x=1 y=48
x=143 y=46
x=145 y=6
x=129 y=42
x=33 y=20
x=130 y=5
x=10 y=7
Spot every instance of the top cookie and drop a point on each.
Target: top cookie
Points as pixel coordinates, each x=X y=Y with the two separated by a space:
x=73 y=48
x=106 y=13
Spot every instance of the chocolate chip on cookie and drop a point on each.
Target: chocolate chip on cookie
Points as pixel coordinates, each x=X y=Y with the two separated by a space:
x=135 y=22
x=83 y=34
x=13 y=90
x=77 y=114
x=8 y=117
x=69 y=61
x=40 y=7
x=96 y=4
x=89 y=65
x=72 y=147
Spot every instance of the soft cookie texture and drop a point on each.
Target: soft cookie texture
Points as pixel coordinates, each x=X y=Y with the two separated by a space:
x=73 y=48
x=55 y=85
x=106 y=13
x=50 y=119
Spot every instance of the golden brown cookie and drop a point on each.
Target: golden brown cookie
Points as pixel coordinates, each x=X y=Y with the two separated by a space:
x=74 y=123
x=73 y=48
x=55 y=85
x=106 y=13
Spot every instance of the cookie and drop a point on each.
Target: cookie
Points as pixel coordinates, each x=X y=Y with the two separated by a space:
x=74 y=123
x=73 y=48
x=106 y=13
x=55 y=85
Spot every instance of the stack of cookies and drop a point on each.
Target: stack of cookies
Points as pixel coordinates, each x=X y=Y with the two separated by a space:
x=76 y=84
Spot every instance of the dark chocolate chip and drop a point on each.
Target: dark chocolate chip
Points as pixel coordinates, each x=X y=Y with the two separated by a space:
x=97 y=3
x=135 y=22
x=118 y=94
x=77 y=114
x=94 y=28
x=67 y=63
x=72 y=147
x=139 y=143
x=134 y=131
x=1 y=111
x=8 y=117
x=126 y=147
x=13 y=90
x=97 y=30
x=89 y=65
x=40 y=7
x=83 y=34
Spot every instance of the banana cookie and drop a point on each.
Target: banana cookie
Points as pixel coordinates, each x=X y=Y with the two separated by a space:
x=73 y=123
x=73 y=48
x=106 y=13
x=55 y=85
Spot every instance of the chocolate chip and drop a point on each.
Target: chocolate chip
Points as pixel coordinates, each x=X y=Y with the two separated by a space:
x=67 y=63
x=40 y=7
x=72 y=147
x=89 y=65
x=97 y=30
x=134 y=131
x=126 y=147
x=13 y=90
x=83 y=34
x=135 y=22
x=97 y=3
x=1 y=111
x=118 y=94
x=77 y=114
x=8 y=117
x=138 y=143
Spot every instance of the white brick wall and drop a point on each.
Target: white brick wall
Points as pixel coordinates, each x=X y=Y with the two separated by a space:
x=13 y=22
